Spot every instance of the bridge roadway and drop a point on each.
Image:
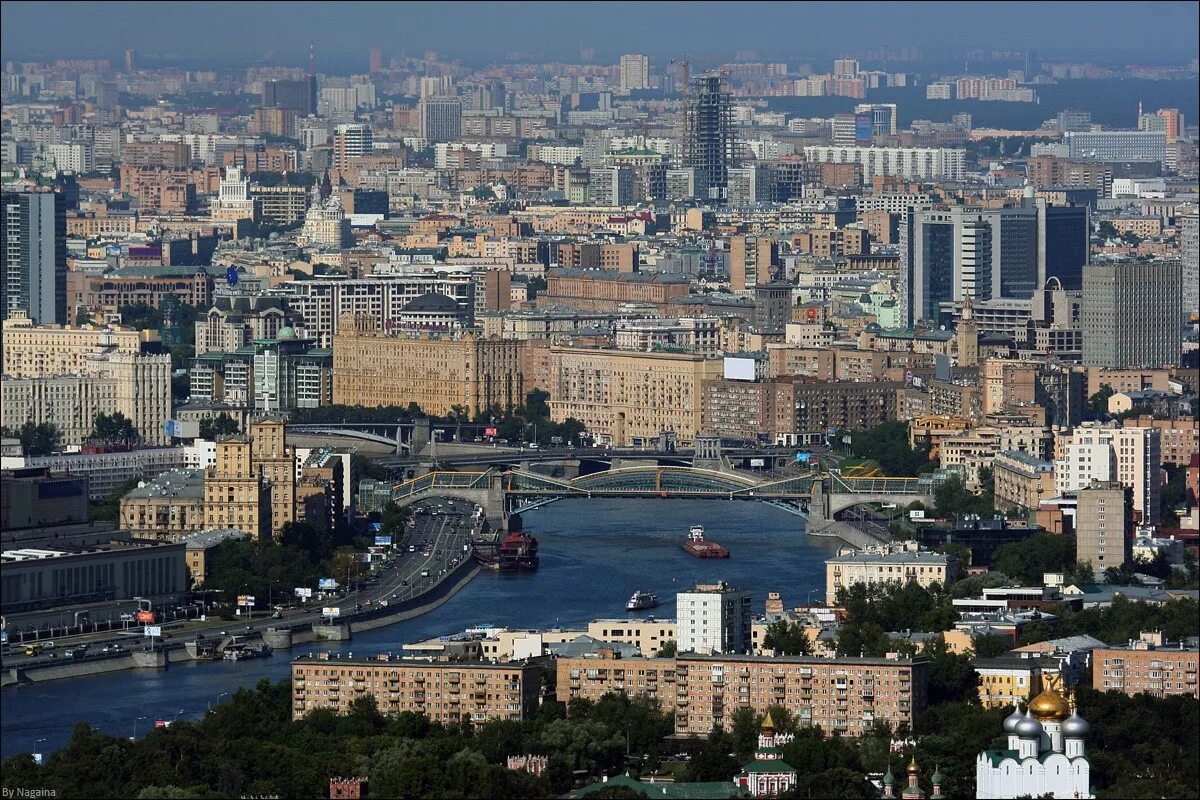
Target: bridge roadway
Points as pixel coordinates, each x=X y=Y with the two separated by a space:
x=503 y=493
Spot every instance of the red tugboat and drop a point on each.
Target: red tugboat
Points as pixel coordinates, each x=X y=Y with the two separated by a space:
x=518 y=553
x=695 y=545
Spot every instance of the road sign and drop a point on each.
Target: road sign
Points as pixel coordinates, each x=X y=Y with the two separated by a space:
x=331 y=611
x=153 y=630
x=245 y=600
x=3 y=636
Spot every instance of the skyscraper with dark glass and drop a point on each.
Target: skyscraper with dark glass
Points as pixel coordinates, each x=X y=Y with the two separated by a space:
x=34 y=241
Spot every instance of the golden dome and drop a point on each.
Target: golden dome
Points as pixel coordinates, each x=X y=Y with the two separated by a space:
x=1050 y=706
x=913 y=769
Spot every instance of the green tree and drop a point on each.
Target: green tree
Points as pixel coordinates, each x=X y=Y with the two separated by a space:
x=887 y=445
x=787 y=639
x=746 y=725
x=1097 y=405
x=38 y=439
x=991 y=646
x=1027 y=560
x=113 y=428
x=218 y=426
x=668 y=649
x=109 y=509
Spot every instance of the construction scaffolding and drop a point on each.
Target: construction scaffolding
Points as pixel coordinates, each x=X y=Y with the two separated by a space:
x=708 y=145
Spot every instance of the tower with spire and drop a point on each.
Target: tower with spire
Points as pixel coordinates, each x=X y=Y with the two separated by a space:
x=1045 y=756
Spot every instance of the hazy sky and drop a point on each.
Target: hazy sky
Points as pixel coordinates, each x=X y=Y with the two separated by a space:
x=1141 y=31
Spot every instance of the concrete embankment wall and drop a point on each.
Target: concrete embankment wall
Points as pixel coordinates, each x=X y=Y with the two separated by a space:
x=450 y=585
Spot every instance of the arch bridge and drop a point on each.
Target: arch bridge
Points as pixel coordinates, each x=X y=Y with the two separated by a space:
x=515 y=491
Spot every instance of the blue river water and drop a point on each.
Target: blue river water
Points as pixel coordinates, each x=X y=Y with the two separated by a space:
x=594 y=555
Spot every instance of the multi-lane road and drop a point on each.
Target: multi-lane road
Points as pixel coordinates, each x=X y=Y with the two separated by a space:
x=435 y=541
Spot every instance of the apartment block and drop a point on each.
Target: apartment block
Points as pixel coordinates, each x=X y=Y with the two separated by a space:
x=647 y=635
x=32 y=351
x=845 y=696
x=713 y=618
x=901 y=561
x=1103 y=525
x=138 y=386
x=436 y=371
x=1129 y=456
x=445 y=692
x=608 y=290
x=626 y=397
x=1149 y=665
x=592 y=678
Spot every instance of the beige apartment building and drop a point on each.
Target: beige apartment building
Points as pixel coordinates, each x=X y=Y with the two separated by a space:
x=1104 y=525
x=899 y=561
x=1178 y=438
x=628 y=398
x=274 y=461
x=438 y=372
x=647 y=635
x=751 y=259
x=592 y=678
x=235 y=494
x=840 y=695
x=1021 y=480
x=34 y=351
x=445 y=692
x=138 y=386
x=1149 y=665
x=169 y=507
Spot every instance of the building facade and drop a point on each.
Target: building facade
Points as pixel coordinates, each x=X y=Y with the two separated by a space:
x=445 y=692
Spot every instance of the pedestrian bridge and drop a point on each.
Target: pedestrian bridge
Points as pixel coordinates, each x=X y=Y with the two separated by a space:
x=516 y=491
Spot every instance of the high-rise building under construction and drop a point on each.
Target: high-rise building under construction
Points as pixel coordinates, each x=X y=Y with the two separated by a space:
x=709 y=146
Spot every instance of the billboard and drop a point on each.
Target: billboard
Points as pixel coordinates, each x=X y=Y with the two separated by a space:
x=758 y=462
x=145 y=616
x=154 y=630
x=489 y=431
x=383 y=541
x=245 y=600
x=917 y=513
x=326 y=584
x=303 y=592
x=331 y=611
x=739 y=369
x=863 y=128
x=803 y=458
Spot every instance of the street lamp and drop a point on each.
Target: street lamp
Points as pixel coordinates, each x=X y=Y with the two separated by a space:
x=135 y=722
x=222 y=694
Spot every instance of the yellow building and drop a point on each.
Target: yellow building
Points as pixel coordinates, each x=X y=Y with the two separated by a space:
x=647 y=635
x=273 y=460
x=436 y=371
x=900 y=561
x=235 y=494
x=628 y=398
x=1006 y=680
x=445 y=692
x=34 y=351
x=169 y=507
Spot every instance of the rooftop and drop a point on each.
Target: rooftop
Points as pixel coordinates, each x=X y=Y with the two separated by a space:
x=177 y=483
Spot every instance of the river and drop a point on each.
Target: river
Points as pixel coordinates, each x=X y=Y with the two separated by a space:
x=594 y=555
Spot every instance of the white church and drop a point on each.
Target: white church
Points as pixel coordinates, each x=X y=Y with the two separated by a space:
x=1045 y=754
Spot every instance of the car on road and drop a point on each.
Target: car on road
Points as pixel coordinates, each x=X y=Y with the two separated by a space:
x=48 y=645
x=425 y=573
x=404 y=583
